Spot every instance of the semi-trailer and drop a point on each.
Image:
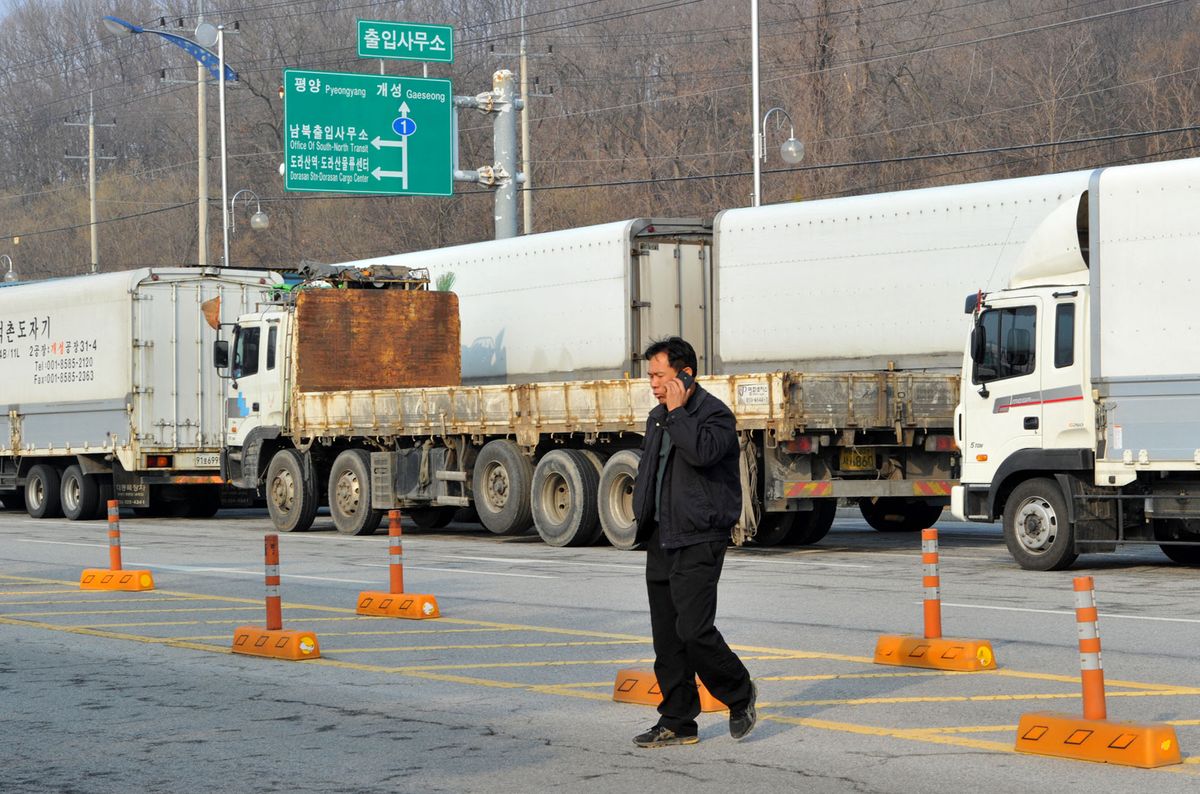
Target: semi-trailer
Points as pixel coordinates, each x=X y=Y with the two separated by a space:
x=107 y=390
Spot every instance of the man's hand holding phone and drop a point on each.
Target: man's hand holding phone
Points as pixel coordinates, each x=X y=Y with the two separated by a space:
x=677 y=389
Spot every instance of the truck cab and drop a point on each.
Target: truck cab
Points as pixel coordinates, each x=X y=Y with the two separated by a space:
x=257 y=364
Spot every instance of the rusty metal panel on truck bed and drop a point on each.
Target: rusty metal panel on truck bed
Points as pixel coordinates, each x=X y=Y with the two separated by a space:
x=357 y=339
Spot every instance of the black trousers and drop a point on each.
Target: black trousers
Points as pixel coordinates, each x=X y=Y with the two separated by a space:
x=682 y=585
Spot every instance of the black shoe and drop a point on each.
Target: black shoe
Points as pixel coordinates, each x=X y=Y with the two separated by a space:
x=742 y=722
x=658 y=736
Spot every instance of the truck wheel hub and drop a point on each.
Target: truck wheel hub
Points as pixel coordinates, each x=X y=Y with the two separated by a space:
x=1037 y=525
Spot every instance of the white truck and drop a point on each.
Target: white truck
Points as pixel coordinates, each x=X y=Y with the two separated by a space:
x=825 y=325
x=1079 y=418
x=106 y=389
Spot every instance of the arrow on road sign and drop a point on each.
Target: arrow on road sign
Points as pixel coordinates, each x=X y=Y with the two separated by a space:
x=380 y=142
x=379 y=173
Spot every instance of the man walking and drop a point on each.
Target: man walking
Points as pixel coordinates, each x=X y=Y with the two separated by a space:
x=687 y=497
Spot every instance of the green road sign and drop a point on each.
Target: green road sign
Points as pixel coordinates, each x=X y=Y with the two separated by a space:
x=406 y=41
x=362 y=133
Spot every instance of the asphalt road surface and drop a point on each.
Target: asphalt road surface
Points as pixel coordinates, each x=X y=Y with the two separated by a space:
x=511 y=689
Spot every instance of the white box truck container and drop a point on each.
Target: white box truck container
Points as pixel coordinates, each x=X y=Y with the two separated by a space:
x=107 y=389
x=1080 y=410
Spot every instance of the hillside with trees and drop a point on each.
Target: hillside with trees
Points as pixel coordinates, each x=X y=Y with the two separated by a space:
x=637 y=108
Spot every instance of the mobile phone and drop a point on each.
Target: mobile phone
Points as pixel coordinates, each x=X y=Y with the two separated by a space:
x=686 y=379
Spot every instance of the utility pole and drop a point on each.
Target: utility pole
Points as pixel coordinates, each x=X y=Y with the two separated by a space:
x=91 y=158
x=502 y=175
x=526 y=193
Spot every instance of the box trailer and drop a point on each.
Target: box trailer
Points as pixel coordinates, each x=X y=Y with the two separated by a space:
x=107 y=389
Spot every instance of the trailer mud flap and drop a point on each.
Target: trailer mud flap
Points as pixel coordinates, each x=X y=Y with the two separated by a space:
x=129 y=489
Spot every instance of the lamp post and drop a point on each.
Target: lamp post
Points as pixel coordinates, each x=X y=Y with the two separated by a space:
x=791 y=150
x=10 y=276
x=206 y=36
x=258 y=221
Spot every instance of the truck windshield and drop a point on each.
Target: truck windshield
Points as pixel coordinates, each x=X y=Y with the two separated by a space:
x=245 y=353
x=1008 y=349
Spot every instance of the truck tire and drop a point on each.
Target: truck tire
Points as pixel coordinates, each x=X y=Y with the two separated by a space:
x=898 y=514
x=1179 y=529
x=810 y=527
x=500 y=482
x=350 y=494
x=565 y=486
x=432 y=517
x=79 y=494
x=615 y=499
x=42 y=497
x=1036 y=530
x=291 y=497
x=774 y=528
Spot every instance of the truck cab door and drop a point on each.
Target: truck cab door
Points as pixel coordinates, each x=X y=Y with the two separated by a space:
x=243 y=410
x=1002 y=400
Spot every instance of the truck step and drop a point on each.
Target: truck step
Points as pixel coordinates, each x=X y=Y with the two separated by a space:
x=450 y=476
x=452 y=501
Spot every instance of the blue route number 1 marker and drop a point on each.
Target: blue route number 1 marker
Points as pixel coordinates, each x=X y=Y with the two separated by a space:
x=404 y=126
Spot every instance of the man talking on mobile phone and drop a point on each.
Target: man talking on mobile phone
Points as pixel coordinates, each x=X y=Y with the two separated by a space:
x=687 y=496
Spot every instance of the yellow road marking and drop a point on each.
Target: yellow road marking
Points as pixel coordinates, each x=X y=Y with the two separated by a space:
x=868 y=701
x=37 y=592
x=22 y=615
x=114 y=600
x=492 y=646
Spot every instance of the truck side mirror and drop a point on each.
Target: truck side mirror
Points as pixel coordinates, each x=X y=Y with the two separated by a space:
x=221 y=354
x=978 y=344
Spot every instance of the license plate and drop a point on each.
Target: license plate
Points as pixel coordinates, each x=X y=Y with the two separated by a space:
x=211 y=459
x=854 y=459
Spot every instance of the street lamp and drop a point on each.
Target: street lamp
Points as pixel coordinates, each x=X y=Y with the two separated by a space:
x=10 y=276
x=206 y=36
x=258 y=221
x=792 y=150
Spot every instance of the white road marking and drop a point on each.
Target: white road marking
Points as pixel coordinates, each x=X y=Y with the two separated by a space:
x=68 y=543
x=240 y=572
x=532 y=561
x=1106 y=615
x=468 y=572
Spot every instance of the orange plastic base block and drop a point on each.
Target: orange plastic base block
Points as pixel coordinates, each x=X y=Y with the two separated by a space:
x=1108 y=742
x=104 y=579
x=293 y=646
x=635 y=685
x=945 y=653
x=414 y=606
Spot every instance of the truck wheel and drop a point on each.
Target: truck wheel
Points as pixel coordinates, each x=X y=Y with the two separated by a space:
x=432 y=517
x=79 y=494
x=565 y=484
x=1036 y=529
x=1179 y=529
x=501 y=481
x=350 y=494
x=898 y=514
x=291 y=499
x=773 y=528
x=810 y=527
x=42 y=498
x=615 y=497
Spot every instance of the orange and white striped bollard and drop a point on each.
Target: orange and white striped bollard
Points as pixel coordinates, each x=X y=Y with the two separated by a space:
x=395 y=552
x=114 y=535
x=1091 y=672
x=274 y=604
x=933 y=584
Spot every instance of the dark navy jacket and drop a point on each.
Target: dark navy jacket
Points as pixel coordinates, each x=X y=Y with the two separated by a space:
x=702 y=494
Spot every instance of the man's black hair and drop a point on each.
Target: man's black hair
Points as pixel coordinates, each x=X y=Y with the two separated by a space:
x=680 y=354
